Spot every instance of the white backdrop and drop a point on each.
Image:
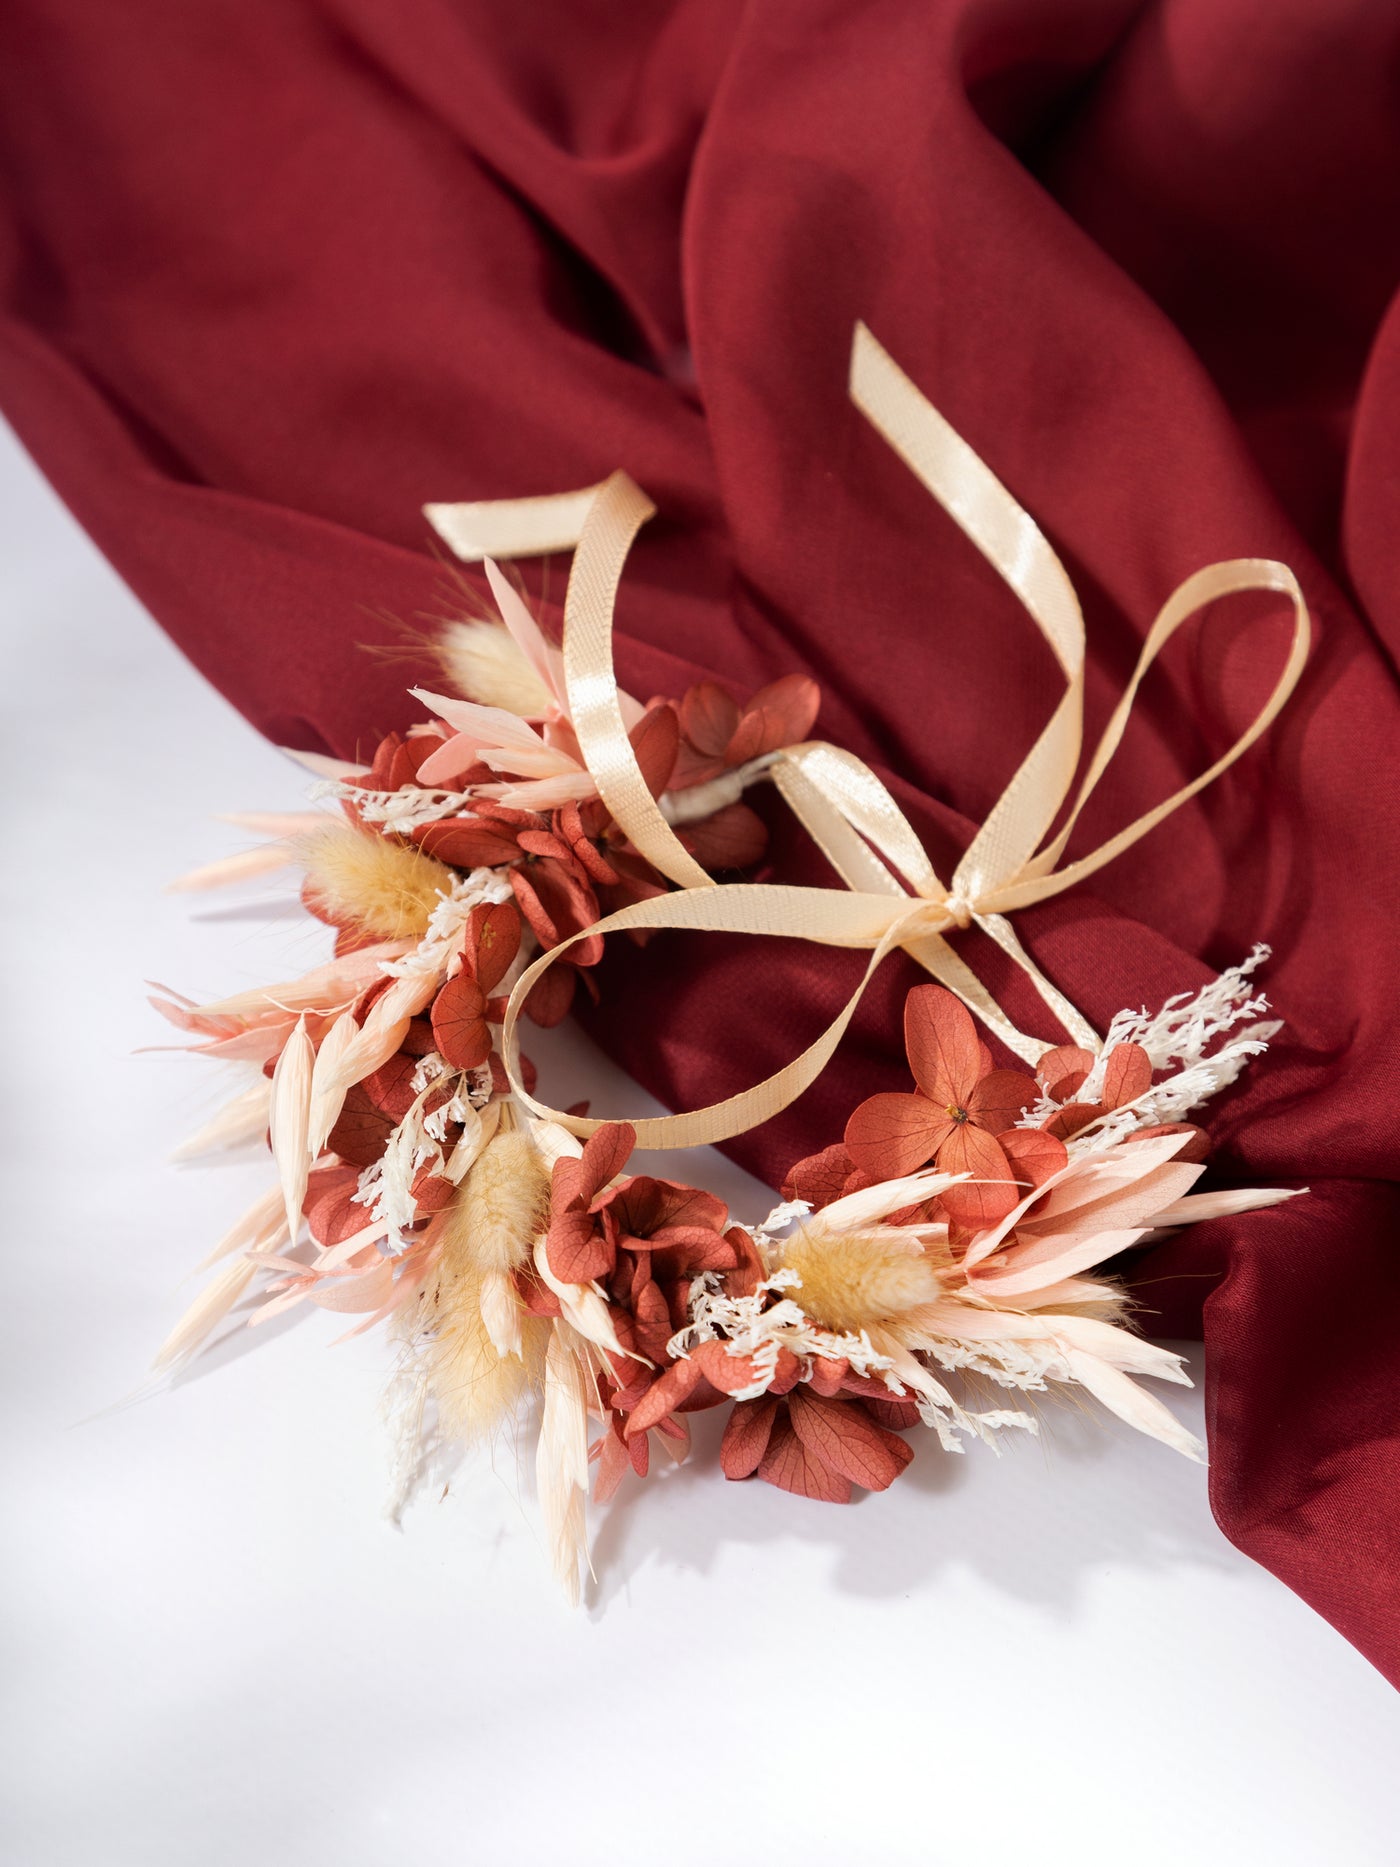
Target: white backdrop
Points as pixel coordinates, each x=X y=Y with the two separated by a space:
x=217 y=1651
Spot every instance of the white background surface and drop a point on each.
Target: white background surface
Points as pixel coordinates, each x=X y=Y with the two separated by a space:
x=216 y=1650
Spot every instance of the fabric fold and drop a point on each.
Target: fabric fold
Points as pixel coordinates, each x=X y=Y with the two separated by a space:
x=275 y=273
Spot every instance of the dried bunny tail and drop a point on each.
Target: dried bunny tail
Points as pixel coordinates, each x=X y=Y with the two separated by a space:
x=484 y=663
x=383 y=889
x=470 y=648
x=851 y=1280
x=500 y=1206
x=493 y=1222
x=475 y=1386
x=479 y=1348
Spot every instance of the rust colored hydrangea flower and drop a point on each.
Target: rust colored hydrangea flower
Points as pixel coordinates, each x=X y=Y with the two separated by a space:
x=463 y=1010
x=717 y=734
x=1127 y=1075
x=953 y=1117
x=820 y=1438
x=570 y=866
x=644 y=1240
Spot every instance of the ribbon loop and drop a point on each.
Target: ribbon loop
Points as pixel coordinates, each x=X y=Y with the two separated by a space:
x=850 y=791
x=895 y=897
x=1233 y=577
x=1014 y=545
x=616 y=512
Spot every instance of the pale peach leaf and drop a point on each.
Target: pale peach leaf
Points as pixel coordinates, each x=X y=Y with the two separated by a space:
x=290 y=1120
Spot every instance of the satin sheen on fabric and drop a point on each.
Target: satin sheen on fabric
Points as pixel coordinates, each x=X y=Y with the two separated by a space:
x=278 y=274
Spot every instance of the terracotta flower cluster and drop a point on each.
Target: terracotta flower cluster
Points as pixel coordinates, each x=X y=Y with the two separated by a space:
x=966 y=1117
x=939 y=1253
x=643 y=1242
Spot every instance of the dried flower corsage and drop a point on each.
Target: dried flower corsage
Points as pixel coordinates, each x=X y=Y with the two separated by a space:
x=935 y=1265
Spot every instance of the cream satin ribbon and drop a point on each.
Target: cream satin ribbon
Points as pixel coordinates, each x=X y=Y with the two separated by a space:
x=896 y=899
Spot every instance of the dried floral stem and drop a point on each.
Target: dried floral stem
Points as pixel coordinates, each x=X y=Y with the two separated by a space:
x=699 y=801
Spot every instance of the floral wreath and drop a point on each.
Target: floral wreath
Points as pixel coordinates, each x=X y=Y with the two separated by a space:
x=931 y=1264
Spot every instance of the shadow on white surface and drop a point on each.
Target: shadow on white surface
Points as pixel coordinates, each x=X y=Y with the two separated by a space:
x=1037 y=1538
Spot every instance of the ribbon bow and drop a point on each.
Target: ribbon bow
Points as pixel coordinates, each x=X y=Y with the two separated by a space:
x=895 y=897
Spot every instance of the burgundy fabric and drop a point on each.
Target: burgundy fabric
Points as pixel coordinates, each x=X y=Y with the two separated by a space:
x=275 y=273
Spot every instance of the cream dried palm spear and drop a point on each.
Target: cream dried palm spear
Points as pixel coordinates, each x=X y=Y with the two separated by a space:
x=1015 y=1306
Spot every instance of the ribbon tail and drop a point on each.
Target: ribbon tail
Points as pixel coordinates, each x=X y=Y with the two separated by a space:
x=513 y=528
x=1016 y=548
x=805 y=780
x=935 y=955
x=1040 y=877
x=998 y=928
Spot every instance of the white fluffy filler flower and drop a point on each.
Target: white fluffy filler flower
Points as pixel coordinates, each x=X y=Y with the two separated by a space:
x=396 y=811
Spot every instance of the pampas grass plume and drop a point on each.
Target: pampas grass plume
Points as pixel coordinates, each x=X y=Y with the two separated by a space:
x=487 y=1233
x=384 y=889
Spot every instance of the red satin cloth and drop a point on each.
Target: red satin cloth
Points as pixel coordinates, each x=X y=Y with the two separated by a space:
x=276 y=273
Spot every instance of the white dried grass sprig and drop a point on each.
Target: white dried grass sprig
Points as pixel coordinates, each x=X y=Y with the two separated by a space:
x=398 y=812
x=1189 y=1023
x=417 y=1141
x=439 y=943
x=751 y=1326
x=1184 y=1039
x=410 y=1437
x=748 y=1328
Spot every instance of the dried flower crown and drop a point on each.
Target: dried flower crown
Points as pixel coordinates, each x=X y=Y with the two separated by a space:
x=937 y=1257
